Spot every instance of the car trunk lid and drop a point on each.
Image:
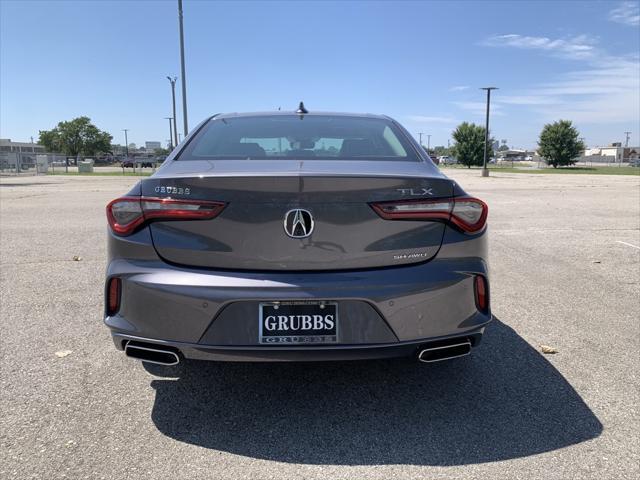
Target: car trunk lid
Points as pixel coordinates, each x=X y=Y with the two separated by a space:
x=254 y=233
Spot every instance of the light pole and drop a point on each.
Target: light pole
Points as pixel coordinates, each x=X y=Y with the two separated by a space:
x=126 y=141
x=170 y=131
x=428 y=142
x=420 y=135
x=172 y=81
x=183 y=77
x=485 y=170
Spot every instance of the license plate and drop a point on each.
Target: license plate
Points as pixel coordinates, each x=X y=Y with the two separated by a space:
x=298 y=322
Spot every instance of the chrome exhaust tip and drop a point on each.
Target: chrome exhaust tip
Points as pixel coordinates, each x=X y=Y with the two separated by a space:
x=151 y=354
x=445 y=352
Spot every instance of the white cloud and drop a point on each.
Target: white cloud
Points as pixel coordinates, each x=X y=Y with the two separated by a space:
x=480 y=108
x=627 y=13
x=609 y=91
x=428 y=119
x=527 y=100
x=605 y=90
x=578 y=48
x=459 y=88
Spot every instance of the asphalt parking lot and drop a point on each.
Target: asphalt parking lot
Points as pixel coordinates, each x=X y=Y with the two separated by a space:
x=565 y=272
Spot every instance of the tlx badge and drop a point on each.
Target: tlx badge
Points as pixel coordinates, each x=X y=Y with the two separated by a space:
x=416 y=192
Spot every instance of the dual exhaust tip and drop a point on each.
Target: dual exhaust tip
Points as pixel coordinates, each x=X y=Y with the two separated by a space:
x=151 y=353
x=445 y=352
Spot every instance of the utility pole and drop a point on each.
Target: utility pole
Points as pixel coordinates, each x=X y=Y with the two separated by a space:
x=420 y=135
x=126 y=141
x=626 y=142
x=183 y=76
x=428 y=142
x=170 y=131
x=172 y=81
x=485 y=171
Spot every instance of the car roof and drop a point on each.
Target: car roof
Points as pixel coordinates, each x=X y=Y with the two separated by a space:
x=294 y=114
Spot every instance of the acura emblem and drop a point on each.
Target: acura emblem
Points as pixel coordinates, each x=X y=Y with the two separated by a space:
x=298 y=223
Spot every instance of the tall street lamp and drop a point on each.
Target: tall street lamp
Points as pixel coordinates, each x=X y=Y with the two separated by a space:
x=172 y=81
x=485 y=170
x=182 y=74
x=126 y=141
x=170 y=131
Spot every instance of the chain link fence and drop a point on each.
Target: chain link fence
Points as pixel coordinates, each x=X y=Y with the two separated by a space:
x=25 y=164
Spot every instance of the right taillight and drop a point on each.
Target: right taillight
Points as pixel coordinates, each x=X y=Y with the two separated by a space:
x=467 y=213
x=481 y=290
x=127 y=214
x=470 y=214
x=114 y=291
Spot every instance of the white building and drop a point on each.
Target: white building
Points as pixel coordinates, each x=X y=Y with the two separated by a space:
x=6 y=145
x=151 y=146
x=612 y=153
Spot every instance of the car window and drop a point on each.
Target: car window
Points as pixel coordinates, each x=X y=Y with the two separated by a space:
x=294 y=137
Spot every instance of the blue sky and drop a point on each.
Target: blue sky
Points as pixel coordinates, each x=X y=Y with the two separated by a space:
x=419 y=62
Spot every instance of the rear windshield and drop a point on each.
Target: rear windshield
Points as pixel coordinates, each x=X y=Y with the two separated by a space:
x=321 y=137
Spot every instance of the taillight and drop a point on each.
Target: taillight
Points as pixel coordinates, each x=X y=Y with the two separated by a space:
x=470 y=214
x=481 y=290
x=114 y=289
x=127 y=214
x=467 y=213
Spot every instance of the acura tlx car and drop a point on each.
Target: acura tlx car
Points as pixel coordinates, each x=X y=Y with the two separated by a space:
x=296 y=236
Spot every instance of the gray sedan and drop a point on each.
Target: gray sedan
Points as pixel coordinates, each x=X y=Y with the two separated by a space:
x=297 y=236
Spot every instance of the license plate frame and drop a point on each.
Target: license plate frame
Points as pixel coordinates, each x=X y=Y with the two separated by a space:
x=312 y=336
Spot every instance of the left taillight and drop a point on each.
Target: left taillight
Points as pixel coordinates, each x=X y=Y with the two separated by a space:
x=467 y=213
x=114 y=291
x=127 y=214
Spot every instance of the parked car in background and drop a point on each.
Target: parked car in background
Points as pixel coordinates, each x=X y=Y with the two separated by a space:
x=130 y=163
x=447 y=160
x=257 y=242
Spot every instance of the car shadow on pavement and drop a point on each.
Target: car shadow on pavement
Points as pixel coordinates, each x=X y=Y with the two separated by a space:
x=503 y=401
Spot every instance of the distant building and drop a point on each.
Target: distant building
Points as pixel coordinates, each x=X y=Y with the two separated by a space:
x=516 y=155
x=612 y=153
x=151 y=146
x=6 y=145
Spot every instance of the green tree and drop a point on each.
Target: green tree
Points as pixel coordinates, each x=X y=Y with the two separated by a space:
x=503 y=148
x=161 y=152
x=559 y=143
x=76 y=137
x=441 y=150
x=469 y=144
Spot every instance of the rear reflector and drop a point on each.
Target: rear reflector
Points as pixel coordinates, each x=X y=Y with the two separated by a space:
x=127 y=214
x=467 y=213
x=114 y=289
x=482 y=293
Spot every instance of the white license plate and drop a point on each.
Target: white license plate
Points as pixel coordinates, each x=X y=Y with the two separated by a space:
x=298 y=322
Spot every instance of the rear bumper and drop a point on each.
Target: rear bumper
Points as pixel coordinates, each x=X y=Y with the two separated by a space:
x=297 y=354
x=214 y=314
